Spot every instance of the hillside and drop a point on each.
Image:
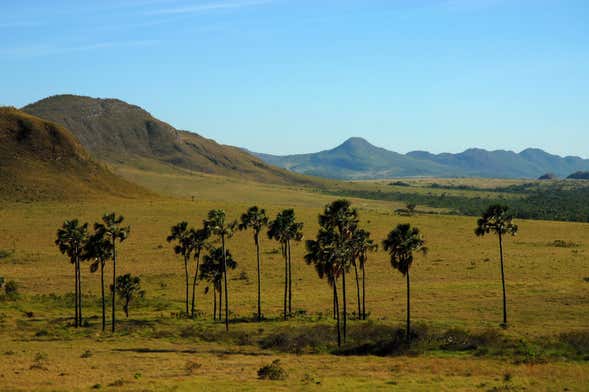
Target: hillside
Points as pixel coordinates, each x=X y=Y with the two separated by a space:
x=120 y=133
x=358 y=159
x=40 y=160
x=580 y=175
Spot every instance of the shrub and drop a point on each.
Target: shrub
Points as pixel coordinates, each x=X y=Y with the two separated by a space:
x=273 y=371
x=11 y=289
x=4 y=254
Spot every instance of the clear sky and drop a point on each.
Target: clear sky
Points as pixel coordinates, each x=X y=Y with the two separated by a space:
x=290 y=76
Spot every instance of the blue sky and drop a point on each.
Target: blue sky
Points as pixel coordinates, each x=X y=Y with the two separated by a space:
x=290 y=76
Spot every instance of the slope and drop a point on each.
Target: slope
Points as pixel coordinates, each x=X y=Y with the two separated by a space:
x=40 y=160
x=120 y=133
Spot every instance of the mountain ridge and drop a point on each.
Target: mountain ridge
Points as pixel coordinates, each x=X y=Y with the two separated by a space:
x=343 y=162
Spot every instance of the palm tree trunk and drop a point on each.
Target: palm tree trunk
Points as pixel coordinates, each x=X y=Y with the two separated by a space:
x=503 y=281
x=214 y=303
x=408 y=308
x=197 y=257
x=345 y=308
x=257 y=240
x=186 y=279
x=102 y=295
x=226 y=290
x=358 y=290
x=220 y=301
x=76 y=294
x=339 y=334
x=289 y=282
x=285 y=278
x=114 y=282
x=126 y=308
x=334 y=306
x=363 y=292
x=79 y=293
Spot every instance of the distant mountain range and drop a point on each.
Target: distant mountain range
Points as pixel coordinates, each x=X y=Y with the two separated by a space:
x=357 y=159
x=117 y=132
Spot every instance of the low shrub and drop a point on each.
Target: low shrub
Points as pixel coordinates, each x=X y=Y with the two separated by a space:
x=273 y=371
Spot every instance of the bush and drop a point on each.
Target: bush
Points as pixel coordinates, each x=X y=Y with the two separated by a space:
x=272 y=371
x=11 y=289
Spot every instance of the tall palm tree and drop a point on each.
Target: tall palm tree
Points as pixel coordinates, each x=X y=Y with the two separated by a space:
x=256 y=219
x=362 y=244
x=285 y=229
x=185 y=245
x=113 y=230
x=71 y=238
x=401 y=243
x=216 y=224
x=99 y=249
x=199 y=238
x=212 y=270
x=323 y=255
x=497 y=220
x=340 y=218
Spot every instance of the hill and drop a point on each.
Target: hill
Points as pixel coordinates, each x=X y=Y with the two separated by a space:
x=358 y=159
x=40 y=160
x=120 y=133
x=580 y=175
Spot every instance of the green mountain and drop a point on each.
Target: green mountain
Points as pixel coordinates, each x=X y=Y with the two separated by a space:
x=580 y=175
x=40 y=160
x=358 y=159
x=117 y=132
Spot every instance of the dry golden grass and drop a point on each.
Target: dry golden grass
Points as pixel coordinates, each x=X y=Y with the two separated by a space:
x=457 y=284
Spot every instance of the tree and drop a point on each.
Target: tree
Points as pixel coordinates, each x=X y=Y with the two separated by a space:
x=71 y=238
x=111 y=228
x=401 y=243
x=129 y=288
x=212 y=270
x=285 y=229
x=216 y=224
x=342 y=220
x=362 y=244
x=498 y=221
x=185 y=245
x=256 y=219
x=199 y=238
x=99 y=249
x=323 y=255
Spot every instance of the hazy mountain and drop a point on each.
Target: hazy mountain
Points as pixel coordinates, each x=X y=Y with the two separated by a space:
x=40 y=160
x=358 y=159
x=117 y=132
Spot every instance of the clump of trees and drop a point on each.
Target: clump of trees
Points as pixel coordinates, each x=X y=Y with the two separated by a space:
x=75 y=241
x=341 y=244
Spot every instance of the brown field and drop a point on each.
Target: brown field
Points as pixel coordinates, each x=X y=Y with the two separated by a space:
x=456 y=285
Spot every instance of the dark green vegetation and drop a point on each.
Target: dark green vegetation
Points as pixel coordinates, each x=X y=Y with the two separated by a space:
x=40 y=160
x=580 y=175
x=358 y=159
x=119 y=133
x=561 y=201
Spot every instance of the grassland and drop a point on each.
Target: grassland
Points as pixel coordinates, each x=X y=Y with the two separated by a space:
x=456 y=286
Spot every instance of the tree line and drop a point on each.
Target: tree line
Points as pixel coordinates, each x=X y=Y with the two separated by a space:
x=339 y=250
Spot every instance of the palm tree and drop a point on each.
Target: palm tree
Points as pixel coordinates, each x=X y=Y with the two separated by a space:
x=71 y=238
x=341 y=219
x=323 y=255
x=99 y=249
x=362 y=244
x=212 y=270
x=401 y=243
x=182 y=234
x=199 y=238
x=113 y=231
x=129 y=288
x=216 y=224
x=497 y=220
x=285 y=229
x=255 y=219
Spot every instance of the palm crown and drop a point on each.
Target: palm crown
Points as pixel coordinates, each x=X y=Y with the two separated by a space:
x=401 y=243
x=497 y=220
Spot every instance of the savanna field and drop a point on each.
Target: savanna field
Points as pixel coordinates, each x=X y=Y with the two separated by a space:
x=455 y=293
